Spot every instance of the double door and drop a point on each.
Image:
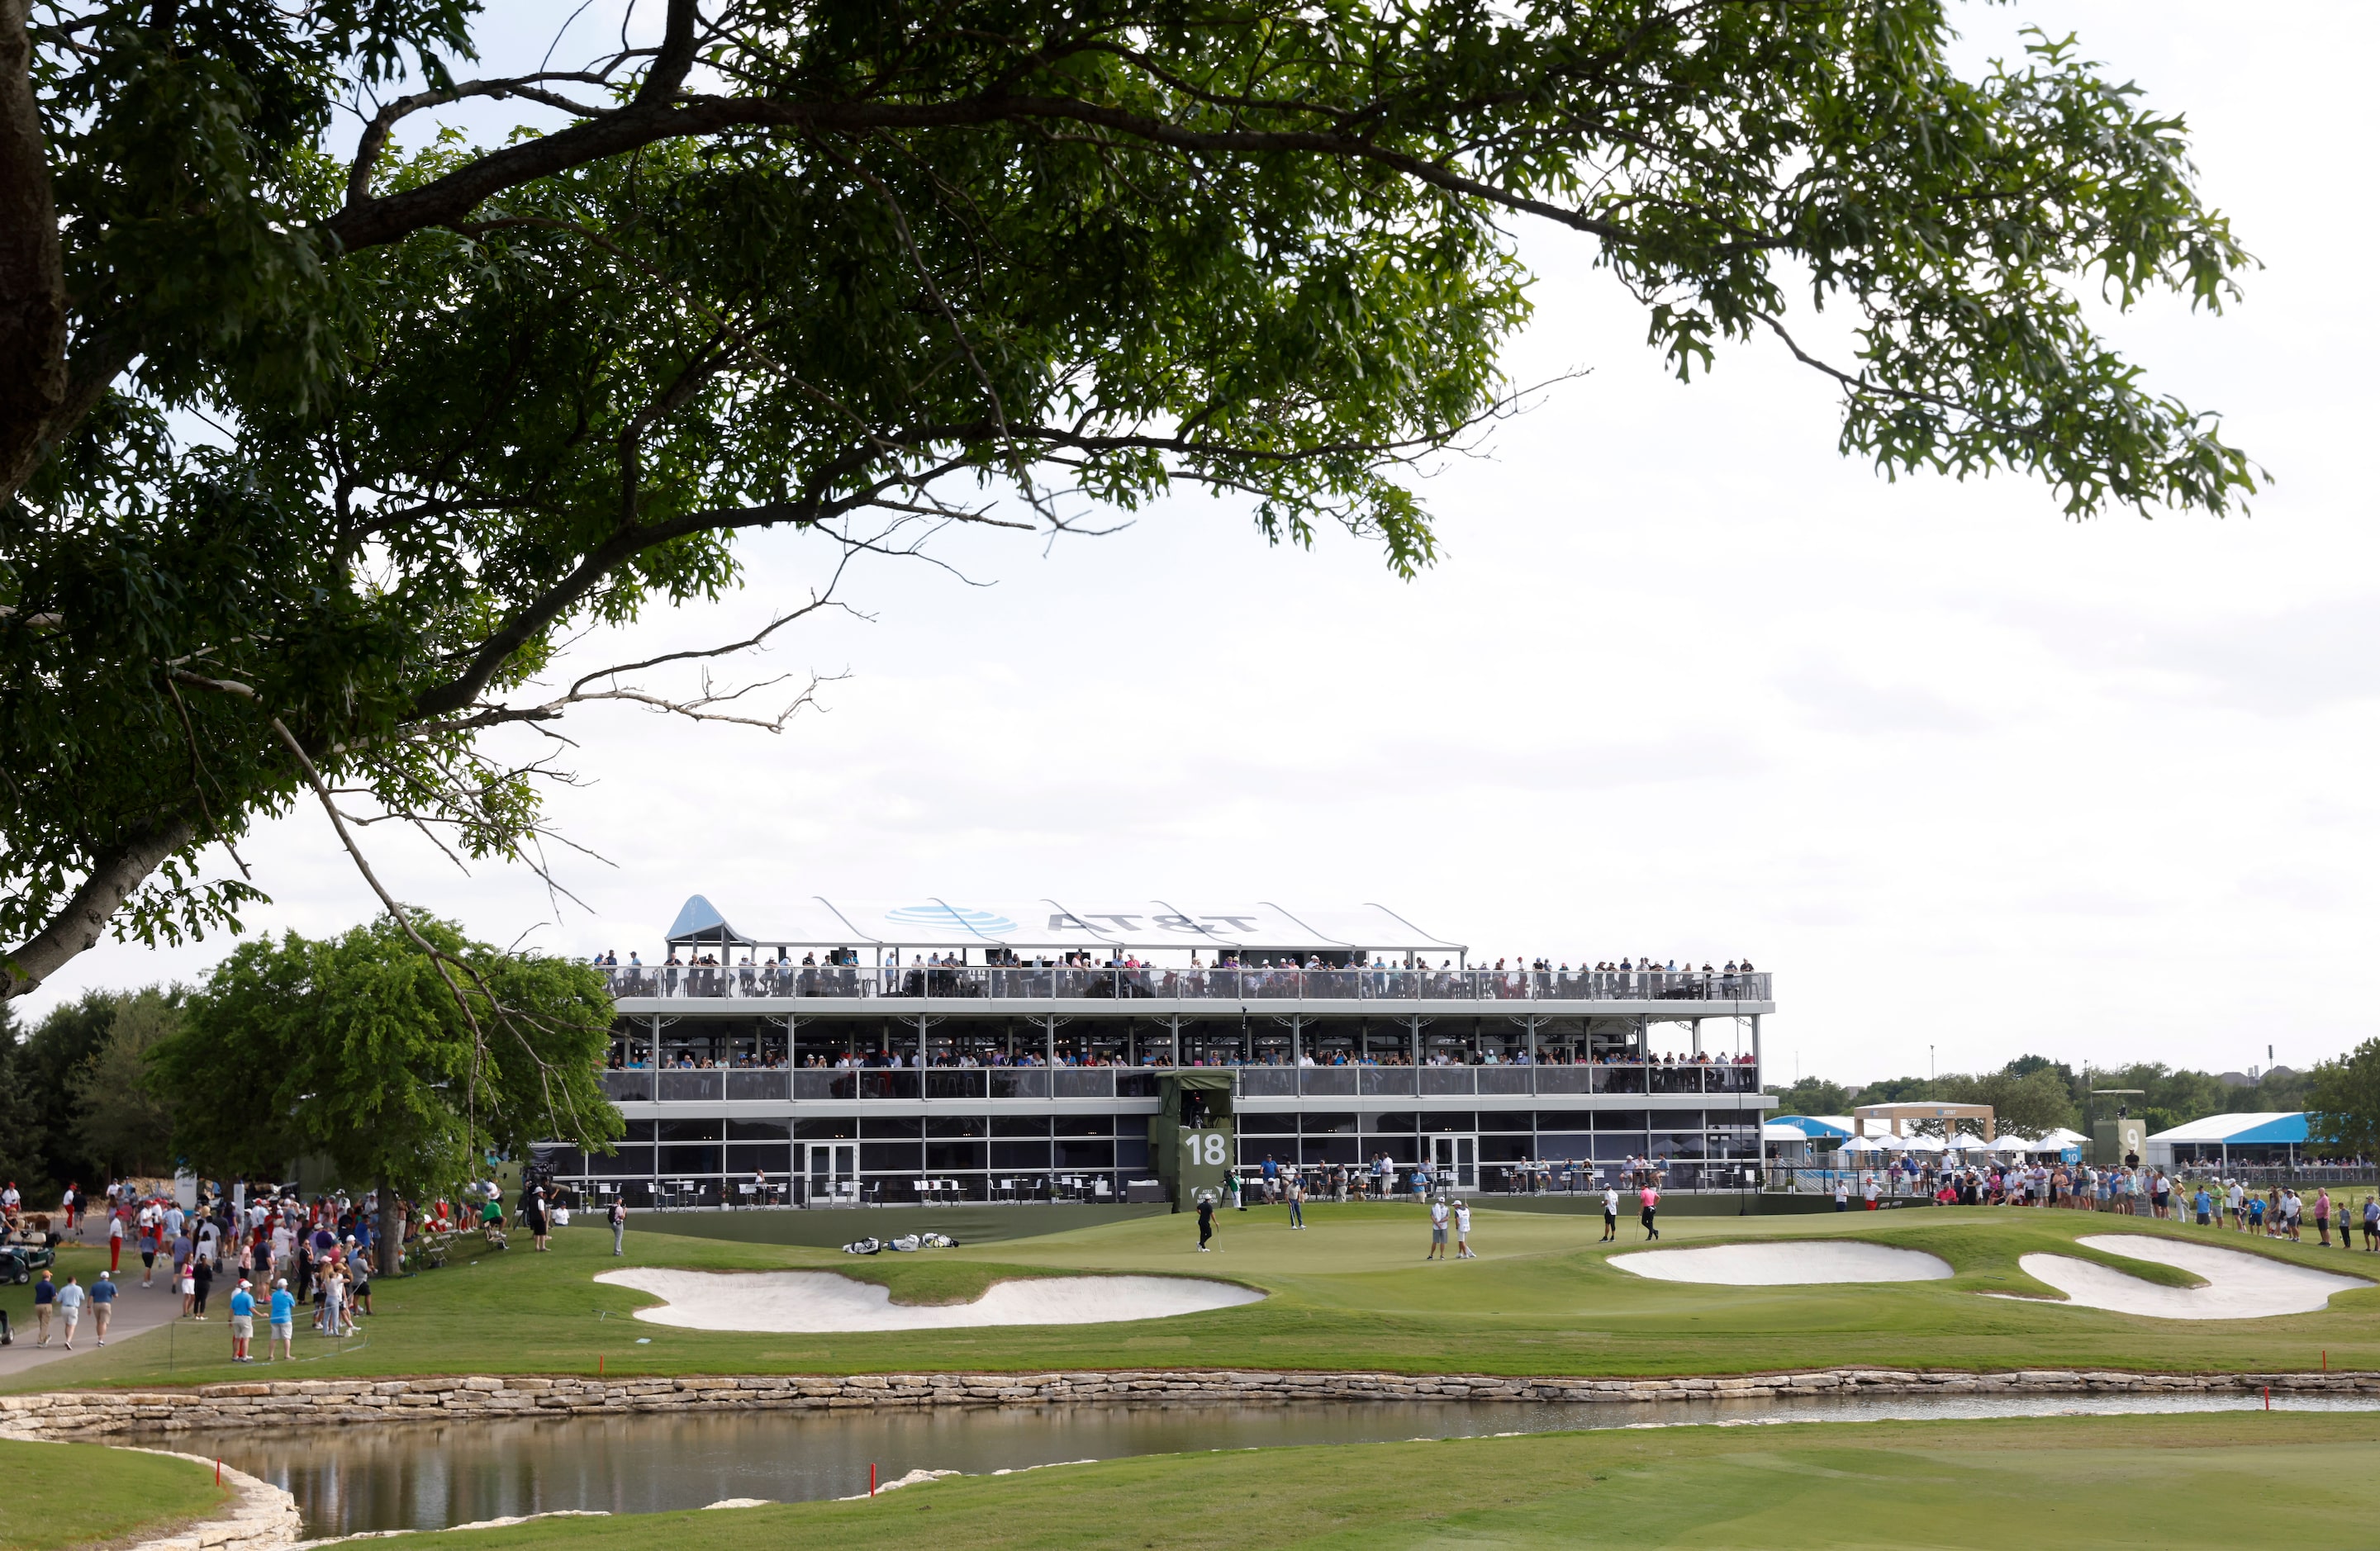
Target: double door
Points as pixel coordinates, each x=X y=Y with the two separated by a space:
x=831 y=1172
x=1454 y=1160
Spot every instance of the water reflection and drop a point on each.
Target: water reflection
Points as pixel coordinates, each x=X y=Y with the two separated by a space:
x=431 y=1475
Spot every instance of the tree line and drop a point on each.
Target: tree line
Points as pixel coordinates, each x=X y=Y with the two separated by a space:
x=2033 y=1094
x=399 y=1054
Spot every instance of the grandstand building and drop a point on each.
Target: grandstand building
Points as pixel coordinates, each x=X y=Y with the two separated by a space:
x=880 y=1054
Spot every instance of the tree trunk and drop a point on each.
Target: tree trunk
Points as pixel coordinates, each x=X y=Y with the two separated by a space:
x=390 y=1234
x=32 y=274
x=77 y=925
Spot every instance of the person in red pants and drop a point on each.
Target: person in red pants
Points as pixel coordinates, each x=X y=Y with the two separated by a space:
x=114 y=1241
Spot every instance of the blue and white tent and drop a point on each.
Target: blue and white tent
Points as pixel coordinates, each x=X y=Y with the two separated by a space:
x=1795 y=1138
x=2258 y=1136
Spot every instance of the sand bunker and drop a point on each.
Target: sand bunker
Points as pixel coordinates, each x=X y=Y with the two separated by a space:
x=1786 y=1264
x=2238 y=1285
x=813 y=1302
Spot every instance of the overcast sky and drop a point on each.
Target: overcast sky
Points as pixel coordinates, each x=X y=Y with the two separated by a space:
x=1972 y=778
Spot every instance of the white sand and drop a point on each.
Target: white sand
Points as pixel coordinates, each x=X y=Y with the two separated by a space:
x=2238 y=1285
x=1786 y=1264
x=821 y=1301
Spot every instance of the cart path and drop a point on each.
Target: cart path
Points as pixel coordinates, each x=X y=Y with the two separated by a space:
x=137 y=1310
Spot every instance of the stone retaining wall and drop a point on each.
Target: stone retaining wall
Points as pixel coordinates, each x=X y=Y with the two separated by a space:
x=89 y=1414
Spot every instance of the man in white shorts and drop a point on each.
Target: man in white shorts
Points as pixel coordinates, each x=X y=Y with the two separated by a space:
x=243 y=1322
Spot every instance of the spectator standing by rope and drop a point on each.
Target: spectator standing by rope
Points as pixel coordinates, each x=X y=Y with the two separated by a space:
x=243 y=1322
x=284 y=1312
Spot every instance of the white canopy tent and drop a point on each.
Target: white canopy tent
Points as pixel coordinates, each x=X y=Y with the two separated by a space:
x=933 y=924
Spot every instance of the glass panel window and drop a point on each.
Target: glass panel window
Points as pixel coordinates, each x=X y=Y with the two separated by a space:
x=1074 y=1154
x=876 y=1157
x=944 y=1157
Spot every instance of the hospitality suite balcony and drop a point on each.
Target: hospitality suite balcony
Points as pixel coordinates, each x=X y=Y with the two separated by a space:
x=1158 y=991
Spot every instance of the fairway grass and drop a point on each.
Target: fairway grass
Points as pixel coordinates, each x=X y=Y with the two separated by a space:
x=1353 y=1292
x=2170 y=1482
x=56 y=1494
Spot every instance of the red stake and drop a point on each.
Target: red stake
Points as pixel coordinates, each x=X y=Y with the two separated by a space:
x=599 y=1364
x=218 y=1472
x=2268 y=1397
x=871 y=1478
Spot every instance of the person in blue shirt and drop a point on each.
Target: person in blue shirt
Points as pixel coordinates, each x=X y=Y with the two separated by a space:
x=102 y=1303
x=243 y=1322
x=2204 y=1206
x=284 y=1317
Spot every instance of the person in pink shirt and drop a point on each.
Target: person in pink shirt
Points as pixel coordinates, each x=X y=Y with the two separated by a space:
x=1651 y=1200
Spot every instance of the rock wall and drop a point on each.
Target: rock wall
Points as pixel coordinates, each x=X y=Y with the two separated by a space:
x=93 y=1413
x=259 y=1517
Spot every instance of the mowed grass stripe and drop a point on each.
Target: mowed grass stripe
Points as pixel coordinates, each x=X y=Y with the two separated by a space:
x=56 y=1494
x=2174 y=1484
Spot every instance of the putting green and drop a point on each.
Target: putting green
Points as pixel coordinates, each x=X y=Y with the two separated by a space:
x=1353 y=1292
x=2174 y=1484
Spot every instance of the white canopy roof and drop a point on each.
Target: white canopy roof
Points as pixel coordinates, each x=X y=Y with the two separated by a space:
x=2009 y=1141
x=935 y=924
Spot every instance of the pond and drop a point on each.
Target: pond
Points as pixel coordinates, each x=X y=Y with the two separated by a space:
x=431 y=1475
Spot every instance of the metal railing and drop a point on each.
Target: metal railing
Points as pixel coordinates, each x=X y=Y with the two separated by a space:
x=776 y=980
x=749 y=1086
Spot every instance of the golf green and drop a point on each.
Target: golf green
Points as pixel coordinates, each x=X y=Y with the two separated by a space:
x=1350 y=1293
